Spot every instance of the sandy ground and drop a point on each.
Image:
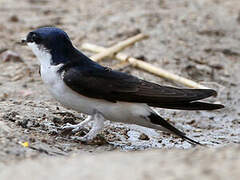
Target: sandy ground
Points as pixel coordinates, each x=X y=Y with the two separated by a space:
x=137 y=165
x=198 y=39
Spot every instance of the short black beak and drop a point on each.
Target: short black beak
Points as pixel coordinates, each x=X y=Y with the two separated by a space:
x=28 y=39
x=23 y=42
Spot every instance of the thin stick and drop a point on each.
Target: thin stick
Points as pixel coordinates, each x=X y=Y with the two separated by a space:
x=147 y=67
x=118 y=47
x=121 y=65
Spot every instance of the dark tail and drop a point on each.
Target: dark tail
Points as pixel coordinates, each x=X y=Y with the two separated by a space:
x=156 y=119
x=188 y=105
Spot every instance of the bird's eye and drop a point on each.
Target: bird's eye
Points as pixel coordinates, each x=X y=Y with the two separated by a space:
x=35 y=38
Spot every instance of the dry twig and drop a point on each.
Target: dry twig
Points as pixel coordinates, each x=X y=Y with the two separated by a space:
x=121 y=65
x=118 y=47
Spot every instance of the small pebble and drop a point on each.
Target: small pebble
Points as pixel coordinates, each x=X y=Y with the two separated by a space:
x=14 y=18
x=56 y=120
x=143 y=137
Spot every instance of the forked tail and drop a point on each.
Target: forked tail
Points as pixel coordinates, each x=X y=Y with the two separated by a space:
x=156 y=119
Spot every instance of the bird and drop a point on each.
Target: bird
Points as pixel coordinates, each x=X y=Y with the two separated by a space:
x=85 y=86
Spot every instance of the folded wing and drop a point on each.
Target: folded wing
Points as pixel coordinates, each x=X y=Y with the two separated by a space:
x=102 y=83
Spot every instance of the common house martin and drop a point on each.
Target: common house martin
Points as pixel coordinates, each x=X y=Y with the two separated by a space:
x=85 y=86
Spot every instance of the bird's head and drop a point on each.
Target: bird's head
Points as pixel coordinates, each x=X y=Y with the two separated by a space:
x=50 y=44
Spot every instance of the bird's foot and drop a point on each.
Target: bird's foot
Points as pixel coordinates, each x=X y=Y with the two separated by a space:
x=98 y=124
x=74 y=128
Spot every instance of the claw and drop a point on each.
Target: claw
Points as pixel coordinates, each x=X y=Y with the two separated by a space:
x=77 y=129
x=69 y=126
x=73 y=129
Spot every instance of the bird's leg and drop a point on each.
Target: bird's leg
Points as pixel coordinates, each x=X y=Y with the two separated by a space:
x=98 y=124
x=77 y=127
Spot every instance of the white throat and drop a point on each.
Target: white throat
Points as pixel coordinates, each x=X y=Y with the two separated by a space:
x=48 y=72
x=42 y=54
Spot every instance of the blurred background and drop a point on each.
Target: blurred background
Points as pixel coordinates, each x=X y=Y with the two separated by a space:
x=197 y=39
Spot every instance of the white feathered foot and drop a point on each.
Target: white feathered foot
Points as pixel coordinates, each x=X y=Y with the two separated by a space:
x=97 y=126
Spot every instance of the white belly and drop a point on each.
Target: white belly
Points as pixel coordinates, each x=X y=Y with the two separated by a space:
x=119 y=111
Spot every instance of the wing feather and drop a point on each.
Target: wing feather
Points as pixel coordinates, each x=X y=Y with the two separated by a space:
x=102 y=83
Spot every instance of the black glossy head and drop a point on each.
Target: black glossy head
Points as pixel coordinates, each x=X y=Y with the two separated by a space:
x=54 y=40
x=50 y=37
